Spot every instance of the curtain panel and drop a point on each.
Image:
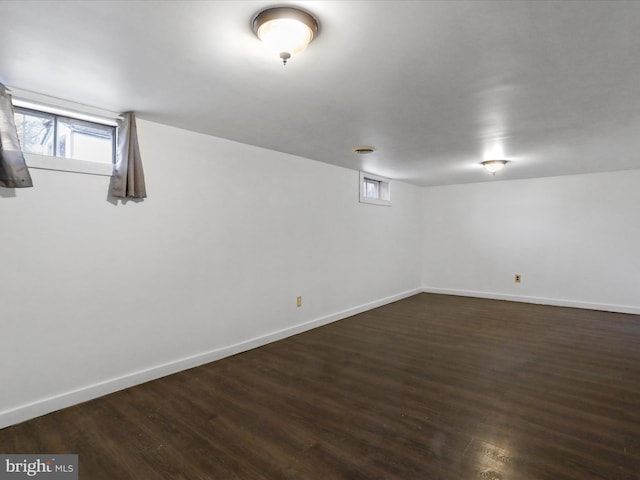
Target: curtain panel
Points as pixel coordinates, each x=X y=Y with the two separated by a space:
x=13 y=168
x=127 y=180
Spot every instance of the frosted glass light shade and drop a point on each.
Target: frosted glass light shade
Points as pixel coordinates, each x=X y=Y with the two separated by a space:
x=285 y=35
x=285 y=30
x=494 y=166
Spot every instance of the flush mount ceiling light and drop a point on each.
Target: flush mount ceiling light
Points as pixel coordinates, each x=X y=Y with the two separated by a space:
x=285 y=30
x=494 y=166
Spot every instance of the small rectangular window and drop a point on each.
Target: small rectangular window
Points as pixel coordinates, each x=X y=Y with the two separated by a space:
x=375 y=189
x=65 y=137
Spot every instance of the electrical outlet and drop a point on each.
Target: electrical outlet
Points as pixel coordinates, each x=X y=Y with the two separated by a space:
x=517 y=278
x=298 y=301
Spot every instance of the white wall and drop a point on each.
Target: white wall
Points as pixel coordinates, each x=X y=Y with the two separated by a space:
x=95 y=297
x=574 y=239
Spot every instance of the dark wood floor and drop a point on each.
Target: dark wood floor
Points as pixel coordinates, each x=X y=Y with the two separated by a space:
x=431 y=387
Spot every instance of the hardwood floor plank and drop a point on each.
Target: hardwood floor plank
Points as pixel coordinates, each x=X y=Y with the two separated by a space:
x=433 y=387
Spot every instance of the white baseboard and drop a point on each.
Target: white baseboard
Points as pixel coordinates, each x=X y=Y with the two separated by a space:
x=537 y=300
x=89 y=392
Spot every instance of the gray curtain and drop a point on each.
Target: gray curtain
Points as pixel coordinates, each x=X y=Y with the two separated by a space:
x=127 y=180
x=13 y=168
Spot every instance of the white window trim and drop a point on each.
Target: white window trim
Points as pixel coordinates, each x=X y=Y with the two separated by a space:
x=47 y=162
x=375 y=201
x=65 y=108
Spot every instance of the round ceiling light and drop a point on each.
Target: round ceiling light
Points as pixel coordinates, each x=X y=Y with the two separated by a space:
x=494 y=166
x=285 y=30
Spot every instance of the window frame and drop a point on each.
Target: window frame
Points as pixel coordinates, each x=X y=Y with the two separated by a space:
x=383 y=189
x=52 y=162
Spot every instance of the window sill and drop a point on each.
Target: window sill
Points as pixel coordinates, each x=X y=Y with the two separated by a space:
x=46 y=162
x=375 y=201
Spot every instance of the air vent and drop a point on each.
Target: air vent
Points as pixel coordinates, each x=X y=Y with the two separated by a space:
x=364 y=150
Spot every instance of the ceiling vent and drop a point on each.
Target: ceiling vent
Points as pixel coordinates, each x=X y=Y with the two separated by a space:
x=364 y=150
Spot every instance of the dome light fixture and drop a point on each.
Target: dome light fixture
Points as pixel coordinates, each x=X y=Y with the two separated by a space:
x=285 y=30
x=494 y=166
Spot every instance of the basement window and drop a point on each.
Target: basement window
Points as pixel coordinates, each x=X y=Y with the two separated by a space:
x=58 y=140
x=375 y=189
